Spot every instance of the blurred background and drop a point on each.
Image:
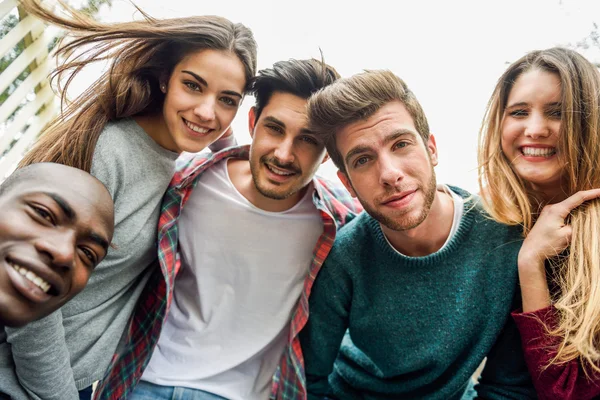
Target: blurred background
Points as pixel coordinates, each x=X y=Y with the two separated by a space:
x=450 y=53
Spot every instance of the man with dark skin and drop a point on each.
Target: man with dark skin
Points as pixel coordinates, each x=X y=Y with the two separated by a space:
x=56 y=223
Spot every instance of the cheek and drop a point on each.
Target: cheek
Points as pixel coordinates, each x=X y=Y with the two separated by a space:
x=81 y=274
x=508 y=136
x=226 y=115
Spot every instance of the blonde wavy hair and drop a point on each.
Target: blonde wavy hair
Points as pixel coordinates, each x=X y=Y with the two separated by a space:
x=141 y=53
x=511 y=200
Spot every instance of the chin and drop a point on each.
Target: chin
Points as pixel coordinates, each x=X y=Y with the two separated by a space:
x=16 y=320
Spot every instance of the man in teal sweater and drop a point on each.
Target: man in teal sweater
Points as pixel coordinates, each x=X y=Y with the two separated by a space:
x=417 y=291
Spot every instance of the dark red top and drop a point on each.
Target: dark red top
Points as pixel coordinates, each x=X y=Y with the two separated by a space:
x=559 y=381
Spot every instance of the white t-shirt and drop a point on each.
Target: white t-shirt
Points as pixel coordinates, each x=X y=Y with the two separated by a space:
x=242 y=274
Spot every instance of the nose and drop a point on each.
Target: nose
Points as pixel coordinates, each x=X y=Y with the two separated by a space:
x=537 y=126
x=205 y=110
x=284 y=152
x=59 y=246
x=390 y=171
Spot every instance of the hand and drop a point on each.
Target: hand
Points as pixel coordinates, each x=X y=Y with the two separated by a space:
x=550 y=234
x=549 y=237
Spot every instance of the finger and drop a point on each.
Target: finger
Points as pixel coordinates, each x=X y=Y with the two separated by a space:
x=576 y=200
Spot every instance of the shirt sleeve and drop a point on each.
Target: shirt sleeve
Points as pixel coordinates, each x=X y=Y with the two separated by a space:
x=329 y=305
x=557 y=381
x=505 y=375
x=42 y=360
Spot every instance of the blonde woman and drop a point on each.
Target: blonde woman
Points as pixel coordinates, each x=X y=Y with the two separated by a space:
x=173 y=85
x=539 y=160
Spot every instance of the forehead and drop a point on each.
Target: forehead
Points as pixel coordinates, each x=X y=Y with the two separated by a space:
x=288 y=108
x=89 y=201
x=535 y=85
x=216 y=66
x=372 y=131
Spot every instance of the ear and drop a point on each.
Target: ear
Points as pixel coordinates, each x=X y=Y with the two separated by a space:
x=325 y=158
x=346 y=182
x=252 y=120
x=432 y=148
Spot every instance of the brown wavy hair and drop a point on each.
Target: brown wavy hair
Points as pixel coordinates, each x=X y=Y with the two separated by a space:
x=511 y=200
x=140 y=54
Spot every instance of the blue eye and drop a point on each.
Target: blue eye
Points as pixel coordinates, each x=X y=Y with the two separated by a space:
x=400 y=145
x=361 y=161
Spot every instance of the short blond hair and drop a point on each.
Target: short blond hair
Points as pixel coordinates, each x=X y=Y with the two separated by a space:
x=356 y=98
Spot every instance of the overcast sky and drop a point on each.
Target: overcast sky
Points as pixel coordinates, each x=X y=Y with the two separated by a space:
x=450 y=53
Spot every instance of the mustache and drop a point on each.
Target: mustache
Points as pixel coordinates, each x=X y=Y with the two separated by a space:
x=274 y=161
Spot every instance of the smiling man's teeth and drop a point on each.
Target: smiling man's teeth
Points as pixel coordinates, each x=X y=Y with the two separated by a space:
x=538 y=152
x=278 y=171
x=196 y=128
x=39 y=282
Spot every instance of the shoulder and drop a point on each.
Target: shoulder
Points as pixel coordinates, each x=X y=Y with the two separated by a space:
x=336 y=198
x=353 y=239
x=473 y=207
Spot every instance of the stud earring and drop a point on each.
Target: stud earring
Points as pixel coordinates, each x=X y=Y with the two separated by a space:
x=163 y=87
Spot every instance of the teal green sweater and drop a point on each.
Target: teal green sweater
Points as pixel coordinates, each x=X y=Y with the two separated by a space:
x=416 y=327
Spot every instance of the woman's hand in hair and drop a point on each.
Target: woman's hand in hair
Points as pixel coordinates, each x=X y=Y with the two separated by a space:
x=548 y=238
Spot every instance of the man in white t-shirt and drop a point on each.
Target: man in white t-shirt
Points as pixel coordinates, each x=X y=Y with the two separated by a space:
x=251 y=238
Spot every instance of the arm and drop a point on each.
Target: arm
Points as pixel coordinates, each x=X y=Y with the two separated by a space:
x=329 y=305
x=42 y=360
x=557 y=381
x=505 y=375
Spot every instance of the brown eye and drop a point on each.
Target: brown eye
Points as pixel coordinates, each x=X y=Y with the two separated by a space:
x=45 y=214
x=90 y=255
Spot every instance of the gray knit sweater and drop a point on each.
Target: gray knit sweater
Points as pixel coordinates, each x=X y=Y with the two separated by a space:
x=68 y=350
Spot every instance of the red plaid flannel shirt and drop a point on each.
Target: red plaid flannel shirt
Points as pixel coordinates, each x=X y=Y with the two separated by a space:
x=336 y=207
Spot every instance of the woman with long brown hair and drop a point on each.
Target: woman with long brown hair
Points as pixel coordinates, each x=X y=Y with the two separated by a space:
x=539 y=162
x=172 y=85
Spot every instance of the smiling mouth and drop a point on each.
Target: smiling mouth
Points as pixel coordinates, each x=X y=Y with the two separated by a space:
x=33 y=278
x=544 y=152
x=278 y=171
x=196 y=128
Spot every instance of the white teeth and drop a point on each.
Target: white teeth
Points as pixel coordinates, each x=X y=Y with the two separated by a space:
x=39 y=282
x=538 y=152
x=278 y=171
x=196 y=128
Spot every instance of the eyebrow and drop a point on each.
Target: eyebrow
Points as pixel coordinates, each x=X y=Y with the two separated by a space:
x=524 y=104
x=96 y=238
x=277 y=121
x=63 y=204
x=72 y=215
x=205 y=84
x=389 y=138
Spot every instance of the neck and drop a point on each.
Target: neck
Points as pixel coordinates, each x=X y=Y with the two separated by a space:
x=241 y=178
x=155 y=126
x=551 y=193
x=430 y=235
